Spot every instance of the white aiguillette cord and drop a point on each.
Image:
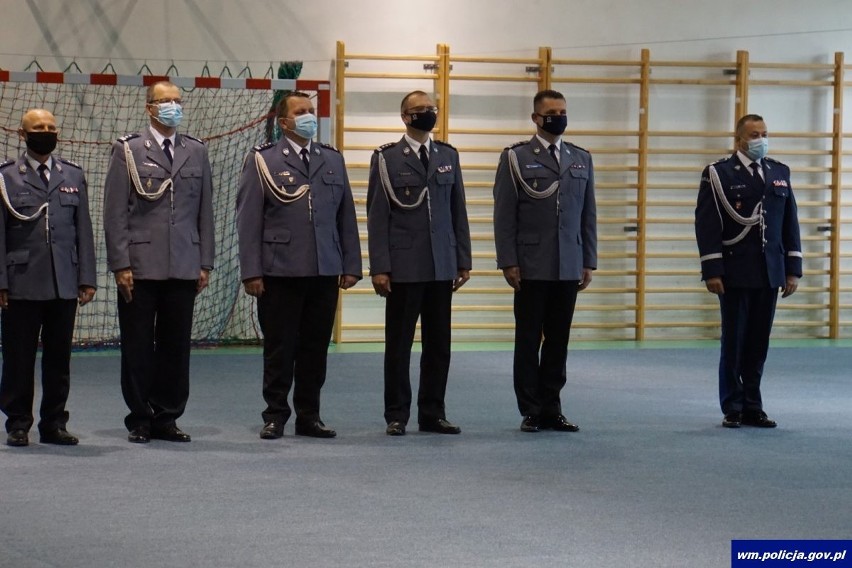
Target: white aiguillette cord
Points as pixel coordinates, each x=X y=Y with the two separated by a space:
x=756 y=217
x=20 y=216
x=279 y=193
x=386 y=185
x=517 y=179
x=137 y=183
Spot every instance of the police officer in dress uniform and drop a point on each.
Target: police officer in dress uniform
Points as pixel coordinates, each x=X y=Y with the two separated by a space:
x=298 y=245
x=158 y=223
x=47 y=267
x=748 y=238
x=545 y=231
x=419 y=243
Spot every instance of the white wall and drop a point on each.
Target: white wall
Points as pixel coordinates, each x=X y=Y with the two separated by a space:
x=190 y=32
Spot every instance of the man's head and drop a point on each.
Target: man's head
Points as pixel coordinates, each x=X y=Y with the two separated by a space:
x=751 y=137
x=297 y=116
x=550 y=113
x=163 y=104
x=418 y=112
x=38 y=130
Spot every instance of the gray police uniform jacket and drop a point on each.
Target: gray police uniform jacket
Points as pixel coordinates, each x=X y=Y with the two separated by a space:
x=748 y=257
x=30 y=251
x=314 y=235
x=427 y=243
x=548 y=238
x=171 y=237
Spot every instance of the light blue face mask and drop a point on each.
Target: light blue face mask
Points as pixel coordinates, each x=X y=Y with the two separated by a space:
x=306 y=126
x=169 y=114
x=757 y=148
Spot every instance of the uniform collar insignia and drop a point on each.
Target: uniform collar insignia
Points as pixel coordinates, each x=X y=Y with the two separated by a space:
x=22 y=169
x=406 y=150
x=148 y=144
x=536 y=150
x=286 y=151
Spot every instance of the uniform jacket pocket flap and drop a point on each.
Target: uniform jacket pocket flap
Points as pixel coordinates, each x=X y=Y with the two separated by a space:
x=277 y=236
x=17 y=257
x=69 y=199
x=579 y=173
x=528 y=239
x=445 y=178
x=190 y=172
x=332 y=179
x=780 y=191
x=140 y=237
x=23 y=200
x=194 y=236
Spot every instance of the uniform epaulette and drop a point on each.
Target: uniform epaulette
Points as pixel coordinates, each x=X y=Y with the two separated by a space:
x=200 y=141
x=447 y=144
x=720 y=160
x=127 y=137
x=516 y=144
x=329 y=146
x=70 y=163
x=7 y=163
x=768 y=159
x=261 y=147
x=578 y=147
x=384 y=147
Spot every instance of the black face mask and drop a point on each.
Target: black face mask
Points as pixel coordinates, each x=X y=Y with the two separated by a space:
x=41 y=143
x=554 y=123
x=424 y=120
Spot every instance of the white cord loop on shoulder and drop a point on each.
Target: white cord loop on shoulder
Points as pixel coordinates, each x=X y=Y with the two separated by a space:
x=279 y=193
x=389 y=192
x=756 y=217
x=44 y=208
x=533 y=193
x=137 y=183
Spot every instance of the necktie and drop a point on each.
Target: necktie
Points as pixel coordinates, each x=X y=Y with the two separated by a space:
x=304 y=154
x=552 y=149
x=167 y=148
x=42 y=173
x=755 y=171
x=424 y=157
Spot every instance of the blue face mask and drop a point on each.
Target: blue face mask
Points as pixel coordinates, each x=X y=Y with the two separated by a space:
x=757 y=148
x=169 y=114
x=306 y=126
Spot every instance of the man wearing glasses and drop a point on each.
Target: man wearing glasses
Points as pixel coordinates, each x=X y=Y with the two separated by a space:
x=419 y=243
x=158 y=224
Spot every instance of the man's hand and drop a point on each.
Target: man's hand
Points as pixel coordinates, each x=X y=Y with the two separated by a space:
x=203 y=280
x=464 y=276
x=346 y=281
x=382 y=284
x=85 y=295
x=791 y=286
x=715 y=286
x=254 y=286
x=124 y=281
x=512 y=274
x=4 y=299
x=587 y=279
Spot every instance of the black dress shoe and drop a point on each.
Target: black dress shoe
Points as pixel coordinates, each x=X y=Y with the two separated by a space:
x=440 y=426
x=170 y=434
x=315 y=430
x=530 y=424
x=59 y=436
x=560 y=424
x=395 y=428
x=139 y=435
x=732 y=420
x=18 y=438
x=758 y=419
x=272 y=430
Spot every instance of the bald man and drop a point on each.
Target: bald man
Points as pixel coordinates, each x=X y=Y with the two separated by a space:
x=47 y=268
x=158 y=224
